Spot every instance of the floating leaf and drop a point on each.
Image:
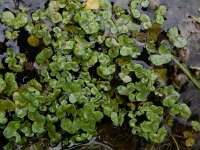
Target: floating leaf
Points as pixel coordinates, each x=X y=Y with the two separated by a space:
x=175 y=38
x=146 y=21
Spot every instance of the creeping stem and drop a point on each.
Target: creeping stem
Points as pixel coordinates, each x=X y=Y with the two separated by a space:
x=194 y=81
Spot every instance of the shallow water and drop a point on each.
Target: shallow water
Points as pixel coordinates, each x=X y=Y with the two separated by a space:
x=120 y=138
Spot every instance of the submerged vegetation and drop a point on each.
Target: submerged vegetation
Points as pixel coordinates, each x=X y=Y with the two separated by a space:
x=92 y=61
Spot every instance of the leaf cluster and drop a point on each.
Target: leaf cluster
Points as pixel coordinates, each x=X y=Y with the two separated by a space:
x=90 y=67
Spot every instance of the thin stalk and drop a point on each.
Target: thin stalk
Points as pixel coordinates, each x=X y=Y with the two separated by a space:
x=194 y=81
x=175 y=142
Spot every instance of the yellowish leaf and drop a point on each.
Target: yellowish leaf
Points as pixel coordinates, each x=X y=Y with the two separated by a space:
x=33 y=40
x=190 y=138
x=131 y=106
x=189 y=142
x=92 y=4
x=162 y=75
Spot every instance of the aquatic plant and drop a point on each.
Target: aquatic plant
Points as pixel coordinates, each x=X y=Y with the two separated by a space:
x=90 y=67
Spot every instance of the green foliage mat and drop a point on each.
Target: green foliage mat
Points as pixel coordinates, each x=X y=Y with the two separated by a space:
x=89 y=67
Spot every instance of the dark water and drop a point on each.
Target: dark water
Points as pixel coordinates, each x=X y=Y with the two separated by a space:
x=121 y=138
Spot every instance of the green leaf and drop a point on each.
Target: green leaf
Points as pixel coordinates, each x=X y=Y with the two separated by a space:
x=20 y=20
x=175 y=38
x=21 y=113
x=195 y=126
x=143 y=91
x=64 y=109
x=105 y=4
x=26 y=129
x=85 y=76
x=114 y=118
x=107 y=70
x=159 y=137
x=161 y=10
x=56 y=17
x=136 y=13
x=161 y=59
x=111 y=42
x=146 y=21
x=151 y=47
x=2 y=85
x=164 y=49
x=39 y=122
x=11 y=131
x=160 y=19
x=104 y=59
x=122 y=90
x=172 y=32
x=71 y=87
x=133 y=7
x=147 y=25
x=38 y=14
x=180 y=42
x=6 y=105
x=88 y=21
x=171 y=96
x=148 y=126
x=69 y=126
x=145 y=3
x=181 y=109
x=142 y=95
x=43 y=56
x=11 y=84
x=125 y=78
x=3 y=118
x=35 y=84
x=30 y=99
x=66 y=17
x=113 y=52
x=11 y=35
x=123 y=23
x=7 y=17
x=157 y=109
x=72 y=98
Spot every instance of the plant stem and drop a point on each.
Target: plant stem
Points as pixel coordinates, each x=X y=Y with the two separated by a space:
x=175 y=142
x=194 y=81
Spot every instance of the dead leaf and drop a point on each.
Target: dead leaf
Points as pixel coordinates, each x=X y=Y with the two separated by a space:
x=92 y=4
